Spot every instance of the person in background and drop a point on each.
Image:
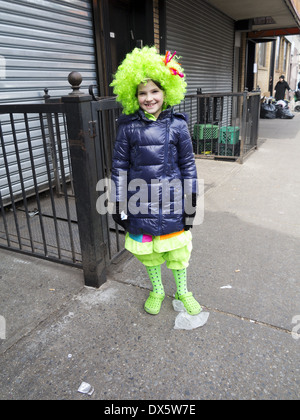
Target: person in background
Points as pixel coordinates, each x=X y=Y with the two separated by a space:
x=280 y=89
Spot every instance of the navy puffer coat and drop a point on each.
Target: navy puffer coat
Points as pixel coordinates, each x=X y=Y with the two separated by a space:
x=151 y=160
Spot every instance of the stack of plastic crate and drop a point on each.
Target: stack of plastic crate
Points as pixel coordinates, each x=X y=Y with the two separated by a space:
x=229 y=143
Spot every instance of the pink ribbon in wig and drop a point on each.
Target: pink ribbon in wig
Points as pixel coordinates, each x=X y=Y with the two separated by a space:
x=168 y=58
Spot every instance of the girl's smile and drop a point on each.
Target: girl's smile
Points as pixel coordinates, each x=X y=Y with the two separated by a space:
x=151 y=98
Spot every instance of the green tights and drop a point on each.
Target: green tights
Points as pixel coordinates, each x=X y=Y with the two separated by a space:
x=179 y=276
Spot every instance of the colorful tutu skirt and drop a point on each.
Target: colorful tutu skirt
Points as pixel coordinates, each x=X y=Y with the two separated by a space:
x=174 y=248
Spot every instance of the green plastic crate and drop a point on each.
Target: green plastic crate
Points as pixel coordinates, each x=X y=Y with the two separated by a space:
x=229 y=135
x=206 y=132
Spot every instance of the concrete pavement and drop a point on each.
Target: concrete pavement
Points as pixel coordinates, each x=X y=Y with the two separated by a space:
x=60 y=333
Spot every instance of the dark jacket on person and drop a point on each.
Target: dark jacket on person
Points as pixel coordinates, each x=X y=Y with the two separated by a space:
x=280 y=88
x=156 y=153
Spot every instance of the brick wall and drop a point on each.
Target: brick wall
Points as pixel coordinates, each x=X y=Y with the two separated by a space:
x=156 y=24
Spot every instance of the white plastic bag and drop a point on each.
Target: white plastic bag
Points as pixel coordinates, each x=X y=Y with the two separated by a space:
x=184 y=321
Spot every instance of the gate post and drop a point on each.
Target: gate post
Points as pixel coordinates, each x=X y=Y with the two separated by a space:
x=244 y=126
x=84 y=169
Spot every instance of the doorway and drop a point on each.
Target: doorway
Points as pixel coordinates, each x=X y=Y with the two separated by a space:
x=250 y=60
x=121 y=25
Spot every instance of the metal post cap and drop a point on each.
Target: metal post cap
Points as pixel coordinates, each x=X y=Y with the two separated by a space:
x=75 y=80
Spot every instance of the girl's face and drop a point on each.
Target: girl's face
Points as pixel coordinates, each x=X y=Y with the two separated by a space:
x=151 y=98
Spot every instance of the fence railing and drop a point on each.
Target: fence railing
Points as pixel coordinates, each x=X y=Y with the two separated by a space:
x=223 y=125
x=36 y=194
x=52 y=156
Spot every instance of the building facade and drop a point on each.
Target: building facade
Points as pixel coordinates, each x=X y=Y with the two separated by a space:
x=42 y=41
x=275 y=58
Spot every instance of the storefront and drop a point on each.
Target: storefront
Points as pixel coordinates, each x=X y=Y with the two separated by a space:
x=204 y=37
x=41 y=42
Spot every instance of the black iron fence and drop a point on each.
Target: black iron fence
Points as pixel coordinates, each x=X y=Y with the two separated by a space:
x=223 y=125
x=53 y=155
x=36 y=193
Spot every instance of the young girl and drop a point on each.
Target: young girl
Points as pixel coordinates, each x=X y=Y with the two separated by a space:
x=153 y=160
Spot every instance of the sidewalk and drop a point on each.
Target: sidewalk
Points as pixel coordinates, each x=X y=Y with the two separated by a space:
x=60 y=333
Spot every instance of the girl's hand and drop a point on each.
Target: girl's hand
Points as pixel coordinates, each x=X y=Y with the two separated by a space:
x=191 y=203
x=117 y=216
x=188 y=222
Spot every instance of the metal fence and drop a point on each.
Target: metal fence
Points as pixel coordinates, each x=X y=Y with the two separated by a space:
x=36 y=195
x=223 y=125
x=51 y=158
x=105 y=113
x=53 y=155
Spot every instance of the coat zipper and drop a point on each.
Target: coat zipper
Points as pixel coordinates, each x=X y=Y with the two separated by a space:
x=166 y=150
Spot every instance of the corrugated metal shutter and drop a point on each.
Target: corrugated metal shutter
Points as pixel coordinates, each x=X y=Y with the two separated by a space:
x=41 y=42
x=204 y=37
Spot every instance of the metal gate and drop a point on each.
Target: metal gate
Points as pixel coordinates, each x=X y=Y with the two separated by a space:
x=105 y=114
x=55 y=217
x=37 y=213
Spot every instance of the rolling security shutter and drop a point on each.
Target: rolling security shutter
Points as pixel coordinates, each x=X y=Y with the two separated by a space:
x=204 y=37
x=41 y=42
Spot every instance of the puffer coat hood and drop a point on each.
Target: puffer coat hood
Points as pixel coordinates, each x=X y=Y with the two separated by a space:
x=151 y=160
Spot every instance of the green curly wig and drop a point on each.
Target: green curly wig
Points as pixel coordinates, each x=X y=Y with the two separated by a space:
x=141 y=65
